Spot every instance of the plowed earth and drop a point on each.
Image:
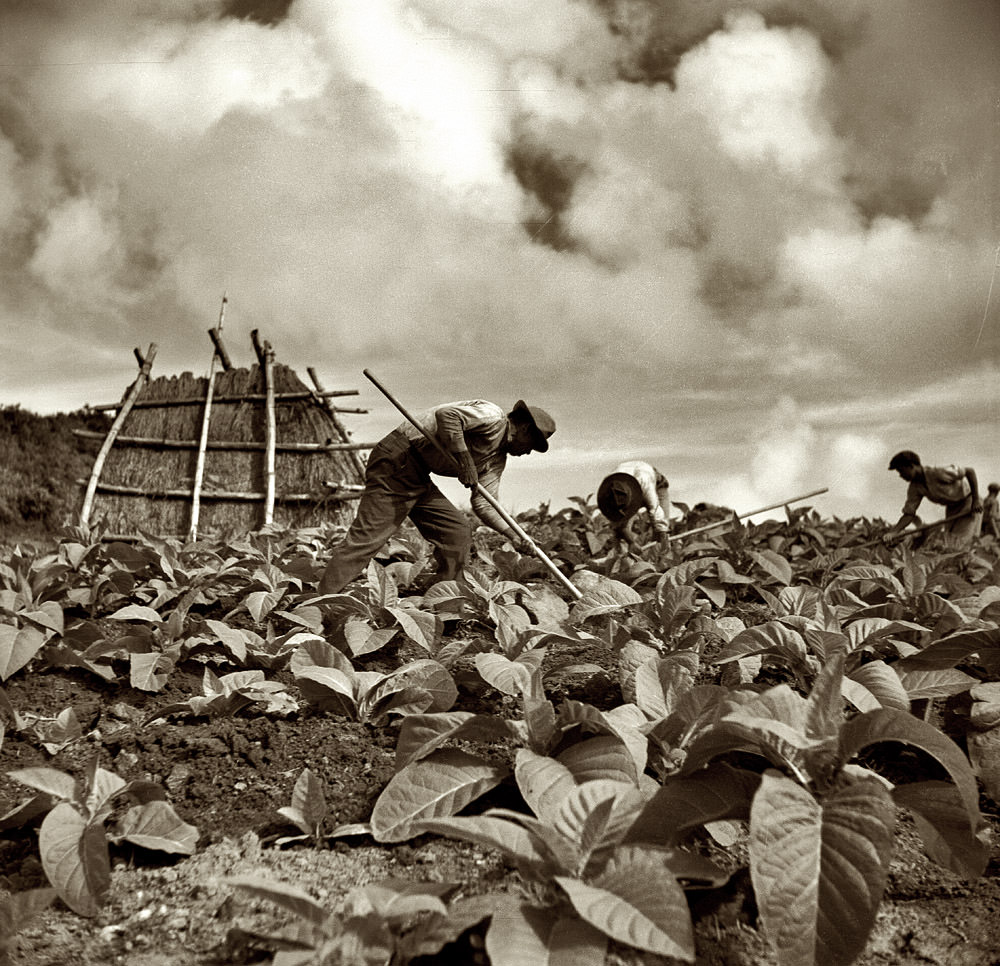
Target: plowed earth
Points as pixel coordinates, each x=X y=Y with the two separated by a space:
x=228 y=776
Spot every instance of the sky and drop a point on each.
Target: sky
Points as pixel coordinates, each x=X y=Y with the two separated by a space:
x=755 y=244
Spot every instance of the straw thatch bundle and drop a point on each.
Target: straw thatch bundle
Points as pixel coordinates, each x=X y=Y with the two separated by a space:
x=303 y=497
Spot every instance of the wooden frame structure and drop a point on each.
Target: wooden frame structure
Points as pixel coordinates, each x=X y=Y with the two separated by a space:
x=236 y=450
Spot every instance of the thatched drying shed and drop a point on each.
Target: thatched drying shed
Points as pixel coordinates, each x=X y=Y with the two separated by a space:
x=261 y=447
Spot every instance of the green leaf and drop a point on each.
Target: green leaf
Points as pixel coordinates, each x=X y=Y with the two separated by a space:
x=523 y=935
x=716 y=792
x=773 y=564
x=149 y=671
x=509 y=677
x=421 y=627
x=819 y=868
x=315 y=652
x=47 y=780
x=400 y=900
x=232 y=638
x=136 y=612
x=430 y=677
x=488 y=830
x=935 y=684
x=420 y=734
x=825 y=705
x=75 y=858
x=362 y=638
x=875 y=684
x=382 y=590
x=660 y=682
x=17 y=647
x=637 y=901
x=603 y=596
x=328 y=689
x=603 y=756
x=868 y=630
x=157 y=826
x=440 y=785
x=943 y=824
x=543 y=782
x=309 y=800
x=49 y=615
x=595 y=814
x=260 y=603
x=949 y=651
x=773 y=637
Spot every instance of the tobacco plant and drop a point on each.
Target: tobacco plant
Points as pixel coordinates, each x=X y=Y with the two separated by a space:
x=821 y=825
x=73 y=838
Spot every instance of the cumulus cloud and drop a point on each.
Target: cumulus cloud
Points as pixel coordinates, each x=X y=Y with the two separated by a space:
x=615 y=206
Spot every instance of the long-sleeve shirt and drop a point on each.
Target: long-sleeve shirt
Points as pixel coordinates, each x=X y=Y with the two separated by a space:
x=655 y=491
x=944 y=485
x=476 y=425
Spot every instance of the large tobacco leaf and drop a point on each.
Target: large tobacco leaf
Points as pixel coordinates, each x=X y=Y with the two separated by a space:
x=439 y=785
x=819 y=866
x=75 y=858
x=636 y=900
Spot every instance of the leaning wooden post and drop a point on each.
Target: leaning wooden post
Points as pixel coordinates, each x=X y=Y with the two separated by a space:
x=270 y=434
x=199 y=469
x=344 y=435
x=265 y=357
x=146 y=363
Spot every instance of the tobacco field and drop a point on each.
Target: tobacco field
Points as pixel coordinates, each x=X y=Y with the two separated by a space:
x=772 y=745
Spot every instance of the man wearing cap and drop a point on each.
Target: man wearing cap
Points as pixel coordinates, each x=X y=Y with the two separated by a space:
x=479 y=436
x=956 y=488
x=635 y=485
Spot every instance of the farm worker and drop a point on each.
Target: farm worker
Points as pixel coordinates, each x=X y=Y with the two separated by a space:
x=991 y=512
x=480 y=436
x=956 y=488
x=634 y=486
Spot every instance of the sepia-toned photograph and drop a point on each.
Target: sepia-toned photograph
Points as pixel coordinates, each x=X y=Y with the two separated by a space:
x=499 y=482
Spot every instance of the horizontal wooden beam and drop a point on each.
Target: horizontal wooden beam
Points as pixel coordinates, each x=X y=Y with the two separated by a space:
x=233 y=445
x=336 y=493
x=245 y=397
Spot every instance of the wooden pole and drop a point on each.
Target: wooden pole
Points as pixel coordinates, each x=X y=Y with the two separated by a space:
x=270 y=434
x=116 y=425
x=505 y=516
x=344 y=434
x=749 y=513
x=199 y=469
x=243 y=397
x=889 y=538
x=230 y=445
x=220 y=350
x=336 y=491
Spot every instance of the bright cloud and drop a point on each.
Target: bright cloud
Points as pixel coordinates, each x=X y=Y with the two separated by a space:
x=757 y=243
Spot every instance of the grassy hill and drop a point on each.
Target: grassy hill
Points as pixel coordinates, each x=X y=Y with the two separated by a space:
x=42 y=460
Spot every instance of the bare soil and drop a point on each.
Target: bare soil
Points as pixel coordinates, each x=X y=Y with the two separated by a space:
x=228 y=776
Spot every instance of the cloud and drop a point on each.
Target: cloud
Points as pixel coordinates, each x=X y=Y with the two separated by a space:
x=673 y=224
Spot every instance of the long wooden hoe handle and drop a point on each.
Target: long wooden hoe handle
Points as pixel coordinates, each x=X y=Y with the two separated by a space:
x=888 y=538
x=742 y=516
x=507 y=518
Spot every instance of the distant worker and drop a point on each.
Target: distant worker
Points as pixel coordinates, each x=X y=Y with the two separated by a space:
x=991 y=512
x=480 y=437
x=633 y=486
x=956 y=488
